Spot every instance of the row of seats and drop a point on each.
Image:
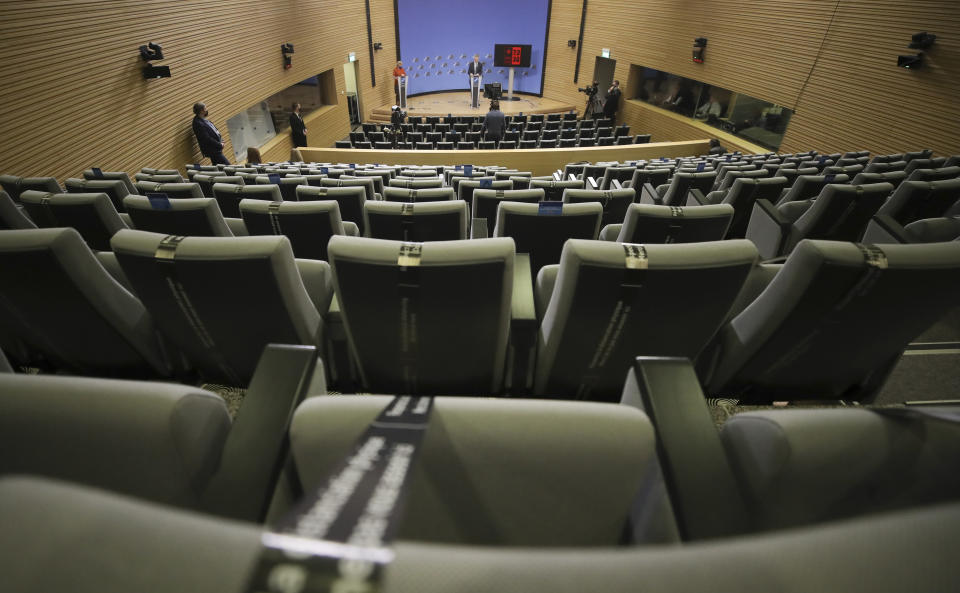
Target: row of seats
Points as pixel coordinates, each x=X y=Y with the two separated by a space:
x=581 y=492
x=414 y=141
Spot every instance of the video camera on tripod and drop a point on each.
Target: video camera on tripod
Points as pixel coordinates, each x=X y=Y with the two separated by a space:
x=593 y=102
x=591 y=90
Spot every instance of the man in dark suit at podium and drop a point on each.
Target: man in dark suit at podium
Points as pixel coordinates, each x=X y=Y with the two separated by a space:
x=298 y=129
x=475 y=71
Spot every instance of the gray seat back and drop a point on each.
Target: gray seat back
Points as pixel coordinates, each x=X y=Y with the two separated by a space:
x=345 y=181
x=894 y=178
x=427 y=318
x=650 y=223
x=193 y=217
x=229 y=195
x=840 y=212
x=221 y=300
x=308 y=225
x=157 y=441
x=111 y=176
x=174 y=191
x=14 y=185
x=651 y=294
x=915 y=200
x=92 y=215
x=934 y=230
x=61 y=302
x=553 y=189
x=732 y=176
x=287 y=185
x=614 y=201
x=541 y=229
x=743 y=195
x=682 y=183
x=599 y=456
x=430 y=194
x=466 y=188
x=934 y=174
x=806 y=187
x=114 y=188
x=654 y=177
x=350 y=200
x=486 y=202
x=620 y=174
x=825 y=304
x=416 y=222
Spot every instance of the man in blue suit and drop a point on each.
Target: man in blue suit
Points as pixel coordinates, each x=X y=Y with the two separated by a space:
x=208 y=136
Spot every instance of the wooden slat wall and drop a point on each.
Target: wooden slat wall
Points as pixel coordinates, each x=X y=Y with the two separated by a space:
x=856 y=96
x=72 y=96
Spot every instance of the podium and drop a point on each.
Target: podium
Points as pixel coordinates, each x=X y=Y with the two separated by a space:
x=476 y=83
x=402 y=89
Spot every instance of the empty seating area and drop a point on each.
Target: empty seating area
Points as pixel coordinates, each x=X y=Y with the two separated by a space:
x=614 y=364
x=467 y=133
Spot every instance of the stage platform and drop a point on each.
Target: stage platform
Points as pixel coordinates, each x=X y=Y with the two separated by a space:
x=458 y=103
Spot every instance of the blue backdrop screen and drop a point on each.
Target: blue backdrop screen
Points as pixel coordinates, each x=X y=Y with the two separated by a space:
x=439 y=37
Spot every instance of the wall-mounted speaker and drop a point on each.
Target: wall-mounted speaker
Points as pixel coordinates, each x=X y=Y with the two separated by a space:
x=149 y=52
x=572 y=43
x=910 y=61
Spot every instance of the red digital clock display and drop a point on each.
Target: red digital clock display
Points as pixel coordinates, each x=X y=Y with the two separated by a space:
x=509 y=56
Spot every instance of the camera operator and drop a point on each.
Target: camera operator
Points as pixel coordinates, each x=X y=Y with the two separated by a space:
x=591 y=93
x=397 y=117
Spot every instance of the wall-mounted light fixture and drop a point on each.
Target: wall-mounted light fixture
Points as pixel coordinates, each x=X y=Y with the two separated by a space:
x=377 y=45
x=572 y=43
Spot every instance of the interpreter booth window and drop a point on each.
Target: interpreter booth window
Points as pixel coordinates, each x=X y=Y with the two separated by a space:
x=756 y=120
x=259 y=123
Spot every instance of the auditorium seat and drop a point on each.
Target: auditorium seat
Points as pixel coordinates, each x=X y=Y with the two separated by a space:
x=825 y=303
x=157 y=178
x=110 y=176
x=363 y=145
x=349 y=199
x=934 y=174
x=416 y=222
x=14 y=185
x=427 y=194
x=287 y=185
x=839 y=213
x=426 y=318
x=487 y=145
x=196 y=217
x=348 y=181
x=742 y=196
x=583 y=142
x=467 y=187
x=507 y=144
x=912 y=201
x=651 y=294
x=554 y=189
x=174 y=191
x=11 y=217
x=308 y=225
x=807 y=187
x=416 y=183
x=648 y=223
x=621 y=174
x=486 y=202
x=926 y=163
x=926 y=230
x=221 y=300
x=152 y=171
x=614 y=201
x=541 y=229
x=228 y=196
x=641 y=139
x=547 y=143
x=675 y=193
x=653 y=176
x=114 y=188
x=885 y=166
x=91 y=214
x=894 y=178
x=72 y=315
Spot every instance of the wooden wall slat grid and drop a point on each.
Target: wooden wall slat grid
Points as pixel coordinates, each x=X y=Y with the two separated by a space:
x=71 y=95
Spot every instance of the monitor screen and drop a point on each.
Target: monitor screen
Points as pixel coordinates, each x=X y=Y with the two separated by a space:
x=511 y=55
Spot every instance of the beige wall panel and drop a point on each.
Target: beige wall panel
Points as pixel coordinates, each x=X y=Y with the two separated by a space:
x=539 y=162
x=857 y=97
x=72 y=95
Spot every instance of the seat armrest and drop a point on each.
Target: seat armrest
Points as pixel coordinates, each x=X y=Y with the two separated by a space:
x=884 y=228
x=338 y=357
x=695 y=197
x=318 y=280
x=351 y=229
x=717 y=197
x=478 y=228
x=125 y=218
x=649 y=195
x=257 y=445
x=610 y=232
x=616 y=184
x=109 y=261
x=543 y=291
x=694 y=463
x=662 y=189
x=523 y=328
x=237 y=227
x=592 y=183
x=767 y=229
